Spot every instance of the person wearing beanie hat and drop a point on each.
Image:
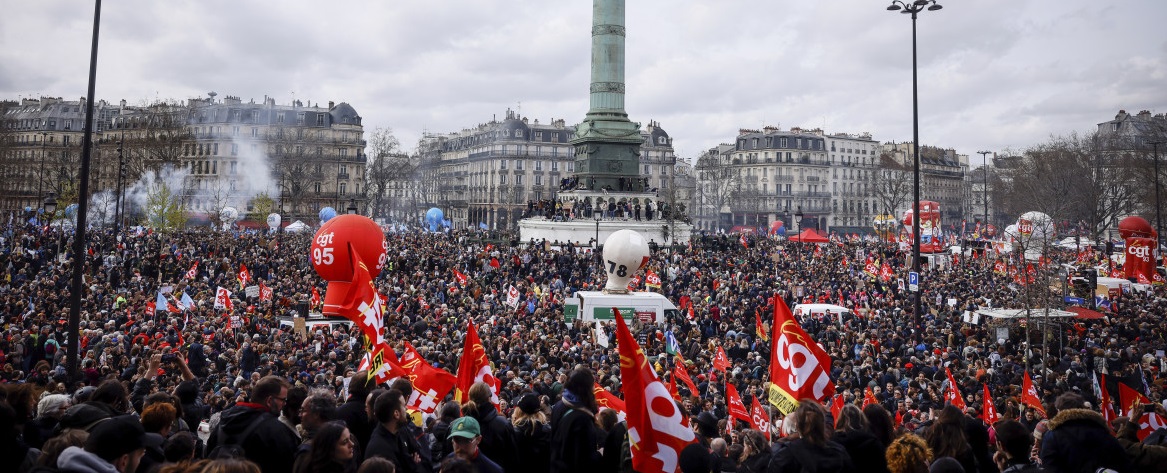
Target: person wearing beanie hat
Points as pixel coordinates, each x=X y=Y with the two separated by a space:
x=115 y=445
x=532 y=434
x=466 y=435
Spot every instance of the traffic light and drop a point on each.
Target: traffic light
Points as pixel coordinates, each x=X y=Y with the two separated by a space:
x=1092 y=278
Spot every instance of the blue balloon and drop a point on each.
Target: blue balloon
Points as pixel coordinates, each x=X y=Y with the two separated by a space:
x=433 y=218
x=326 y=214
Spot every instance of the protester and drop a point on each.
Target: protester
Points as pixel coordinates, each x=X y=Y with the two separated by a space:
x=1013 y=444
x=389 y=436
x=254 y=428
x=908 y=453
x=532 y=435
x=854 y=433
x=573 y=427
x=116 y=444
x=467 y=436
x=812 y=450
x=1079 y=440
x=331 y=451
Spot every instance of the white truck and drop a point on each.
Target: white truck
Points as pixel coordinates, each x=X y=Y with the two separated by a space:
x=590 y=306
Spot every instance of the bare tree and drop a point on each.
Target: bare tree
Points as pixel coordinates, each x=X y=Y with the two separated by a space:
x=892 y=185
x=717 y=185
x=157 y=135
x=298 y=171
x=389 y=169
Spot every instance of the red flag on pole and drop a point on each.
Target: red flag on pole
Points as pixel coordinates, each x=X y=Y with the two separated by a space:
x=798 y=365
x=989 y=410
x=952 y=395
x=759 y=419
x=720 y=361
x=244 y=275
x=1129 y=400
x=680 y=373
x=316 y=300
x=836 y=406
x=1108 y=413
x=266 y=293
x=460 y=277
x=869 y=398
x=737 y=409
x=605 y=399
x=474 y=367
x=193 y=271
x=656 y=427
x=1029 y=395
x=430 y=386
x=760 y=328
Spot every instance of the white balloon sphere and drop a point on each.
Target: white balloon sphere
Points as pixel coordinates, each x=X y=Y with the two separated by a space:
x=273 y=220
x=229 y=215
x=1035 y=226
x=625 y=253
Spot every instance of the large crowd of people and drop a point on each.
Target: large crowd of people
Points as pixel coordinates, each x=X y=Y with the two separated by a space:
x=204 y=390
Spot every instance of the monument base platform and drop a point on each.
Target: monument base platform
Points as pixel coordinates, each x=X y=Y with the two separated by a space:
x=583 y=232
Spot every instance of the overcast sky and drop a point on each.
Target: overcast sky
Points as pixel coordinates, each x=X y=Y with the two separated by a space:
x=994 y=74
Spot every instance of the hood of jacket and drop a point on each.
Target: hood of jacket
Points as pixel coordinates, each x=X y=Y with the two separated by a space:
x=77 y=459
x=236 y=419
x=1075 y=415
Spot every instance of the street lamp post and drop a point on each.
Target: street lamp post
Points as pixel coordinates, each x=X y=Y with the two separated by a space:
x=913 y=9
x=985 y=185
x=597 y=214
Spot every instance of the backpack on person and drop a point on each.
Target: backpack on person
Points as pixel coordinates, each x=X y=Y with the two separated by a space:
x=233 y=448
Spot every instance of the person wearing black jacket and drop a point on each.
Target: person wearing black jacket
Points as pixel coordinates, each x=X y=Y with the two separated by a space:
x=533 y=435
x=442 y=446
x=416 y=436
x=389 y=436
x=498 y=436
x=1079 y=440
x=270 y=443
x=852 y=432
x=812 y=450
x=353 y=412
x=573 y=427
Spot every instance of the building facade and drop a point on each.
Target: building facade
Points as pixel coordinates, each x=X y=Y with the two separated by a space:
x=40 y=149
x=942 y=179
x=771 y=174
x=490 y=175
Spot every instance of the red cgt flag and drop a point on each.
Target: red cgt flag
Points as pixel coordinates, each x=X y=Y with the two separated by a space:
x=193 y=272
x=952 y=395
x=1108 y=413
x=680 y=373
x=474 y=367
x=759 y=419
x=265 y=292
x=244 y=275
x=1029 y=395
x=798 y=365
x=868 y=398
x=989 y=410
x=657 y=431
x=461 y=278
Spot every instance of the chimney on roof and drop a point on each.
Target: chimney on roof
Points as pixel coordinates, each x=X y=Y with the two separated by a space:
x=330 y=104
x=1145 y=114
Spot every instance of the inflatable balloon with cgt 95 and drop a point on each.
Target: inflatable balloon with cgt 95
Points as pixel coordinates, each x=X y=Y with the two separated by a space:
x=332 y=254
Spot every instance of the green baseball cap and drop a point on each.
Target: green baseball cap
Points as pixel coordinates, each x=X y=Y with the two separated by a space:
x=465 y=427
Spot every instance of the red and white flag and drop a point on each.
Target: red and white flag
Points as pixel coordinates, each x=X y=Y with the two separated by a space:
x=680 y=373
x=223 y=299
x=1130 y=401
x=798 y=365
x=989 y=410
x=605 y=399
x=869 y=397
x=885 y=273
x=1108 y=413
x=759 y=419
x=737 y=409
x=652 y=280
x=952 y=395
x=265 y=292
x=316 y=300
x=430 y=385
x=1029 y=395
x=461 y=278
x=474 y=367
x=193 y=272
x=362 y=305
x=871 y=268
x=720 y=361
x=1149 y=423
x=657 y=429
x=513 y=297
x=244 y=275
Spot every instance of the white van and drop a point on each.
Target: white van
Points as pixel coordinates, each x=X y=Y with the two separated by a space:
x=836 y=311
x=595 y=305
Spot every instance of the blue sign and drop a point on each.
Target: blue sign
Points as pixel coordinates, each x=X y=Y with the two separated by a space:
x=913 y=281
x=1075 y=300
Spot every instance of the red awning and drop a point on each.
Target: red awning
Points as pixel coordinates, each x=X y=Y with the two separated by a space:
x=1084 y=313
x=809 y=236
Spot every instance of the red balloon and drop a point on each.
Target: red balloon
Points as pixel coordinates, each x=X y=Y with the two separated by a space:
x=1136 y=227
x=332 y=249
